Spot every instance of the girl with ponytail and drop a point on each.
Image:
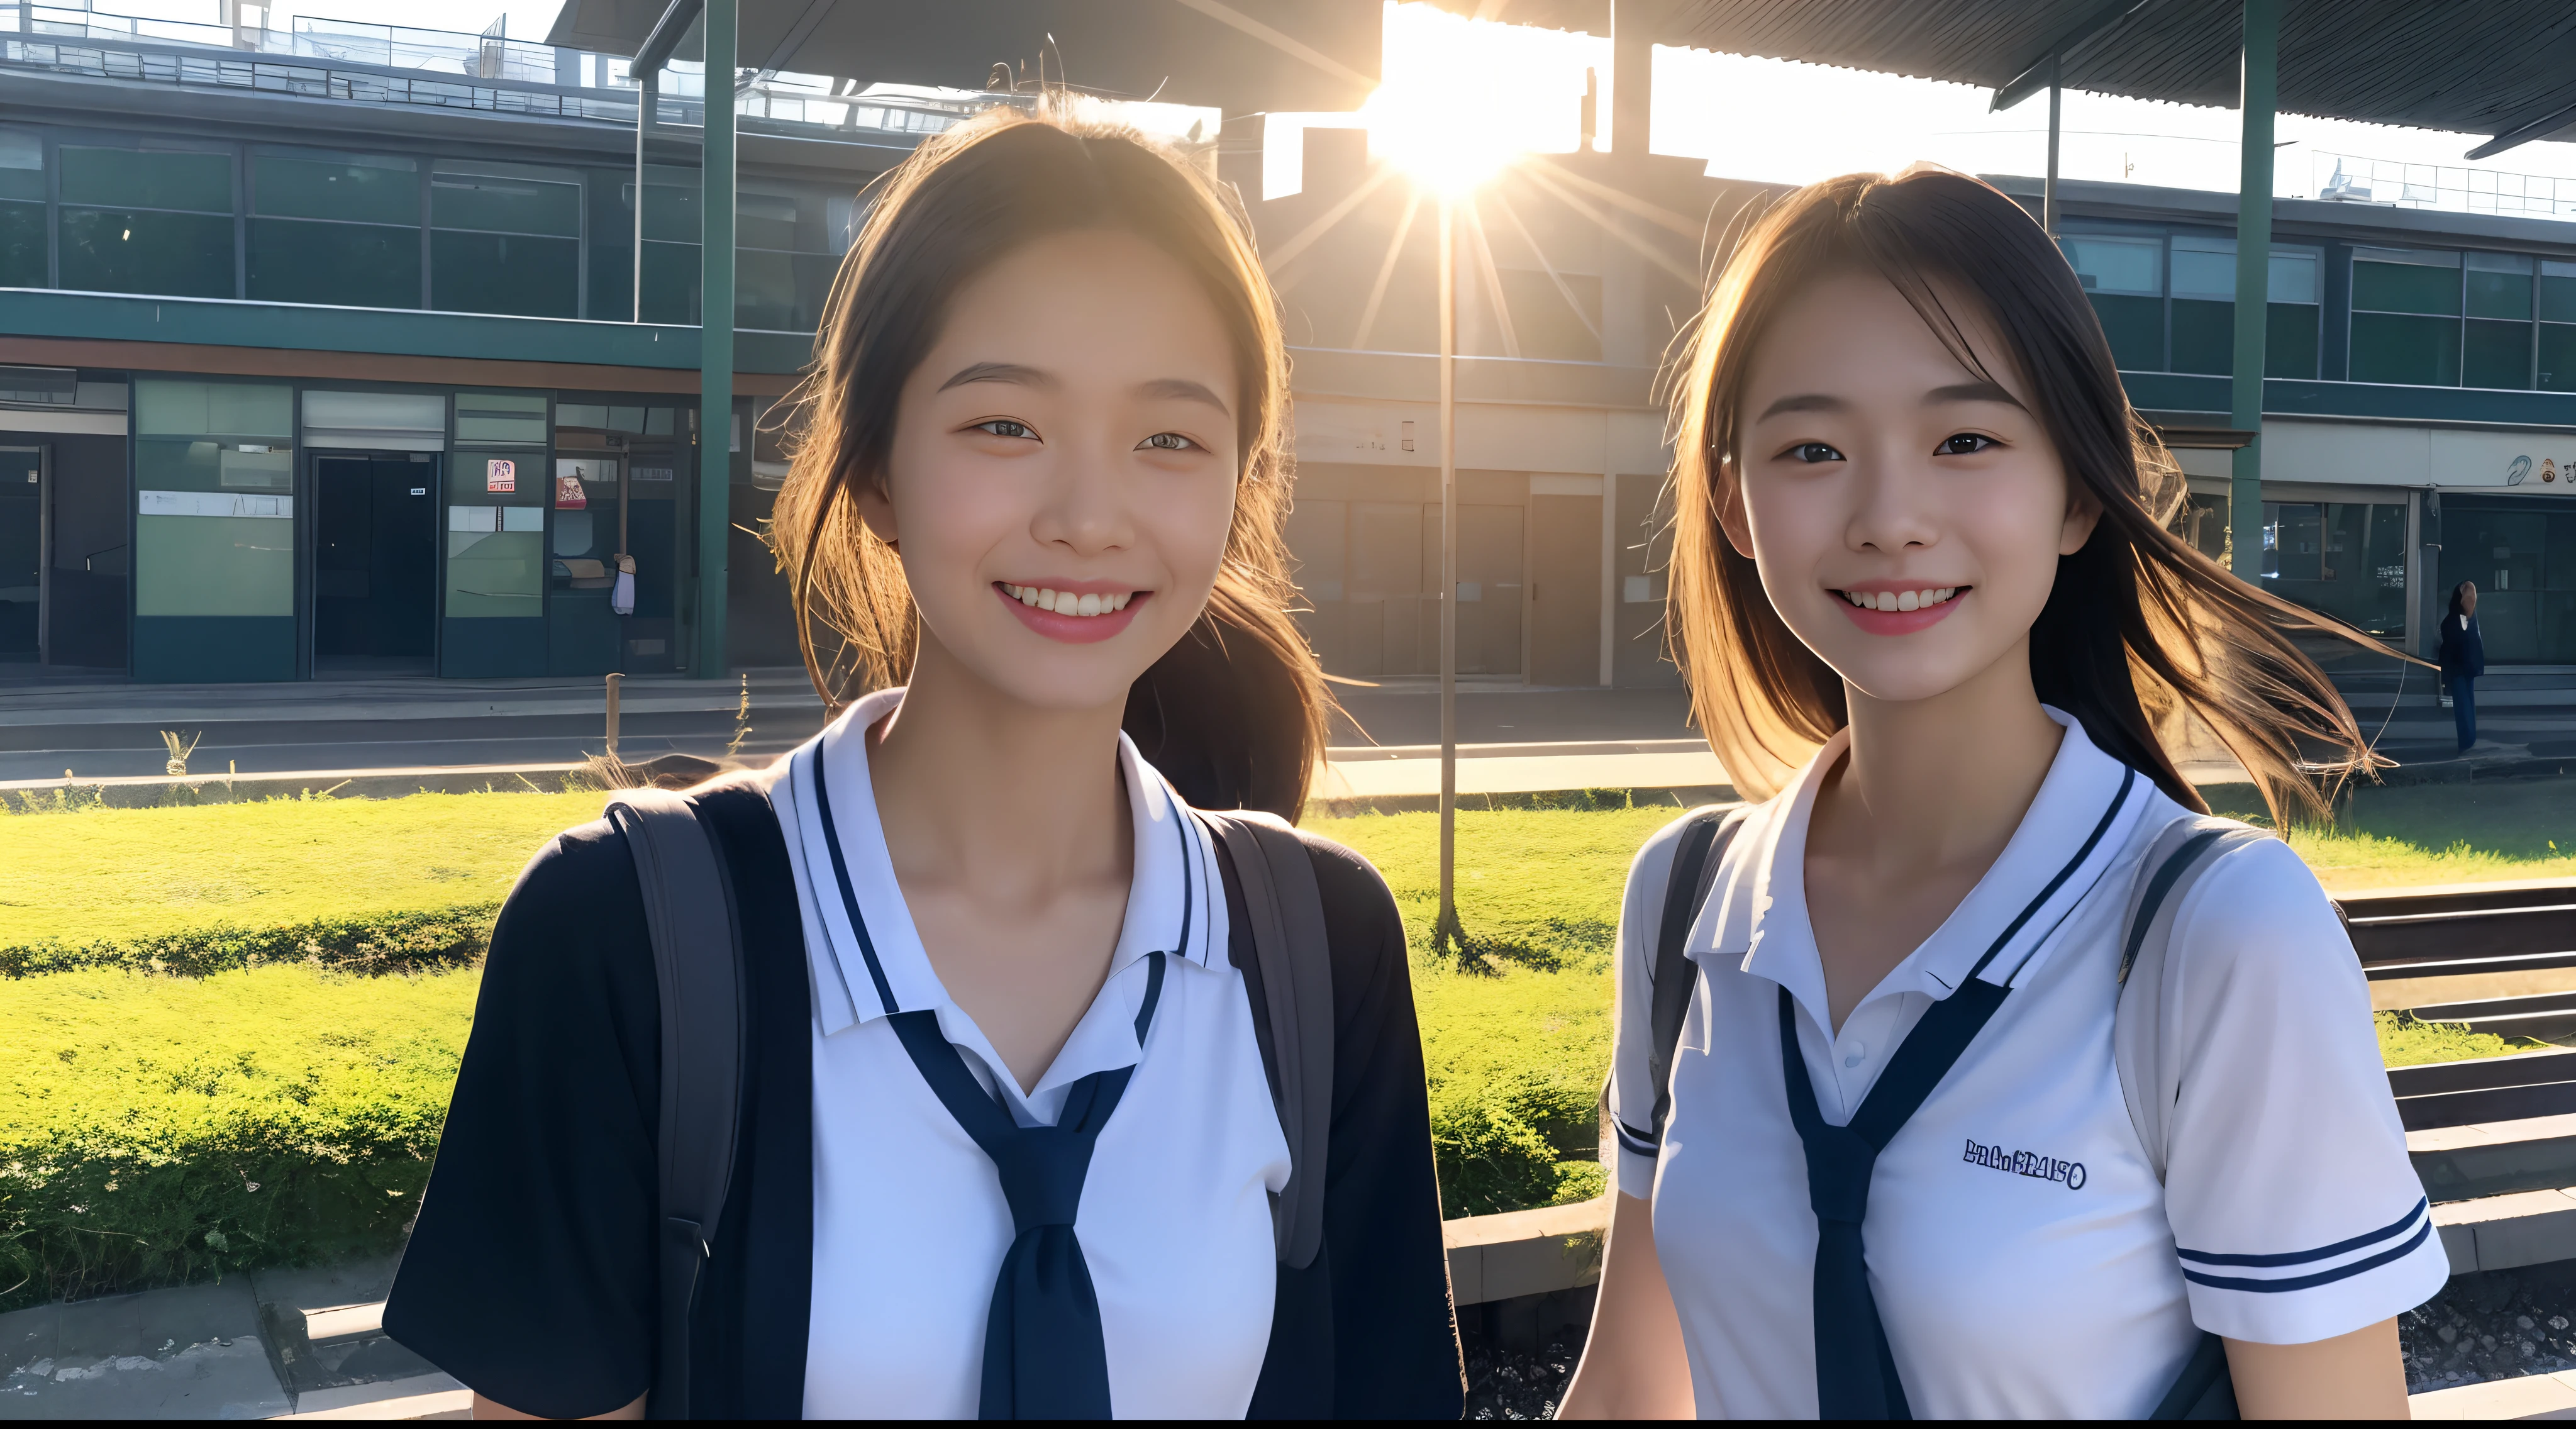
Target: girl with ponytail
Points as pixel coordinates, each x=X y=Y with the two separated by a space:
x=1020 y=1131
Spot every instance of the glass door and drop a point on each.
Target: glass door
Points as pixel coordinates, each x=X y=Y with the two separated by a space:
x=22 y=553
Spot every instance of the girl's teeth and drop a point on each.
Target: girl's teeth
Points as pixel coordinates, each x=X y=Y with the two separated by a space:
x=1900 y=600
x=1066 y=602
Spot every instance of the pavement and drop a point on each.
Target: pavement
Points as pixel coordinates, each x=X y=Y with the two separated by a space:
x=102 y=728
x=265 y=1345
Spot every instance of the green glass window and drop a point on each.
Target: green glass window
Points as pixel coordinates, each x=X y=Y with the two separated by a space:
x=354 y=265
x=2557 y=357
x=2403 y=280
x=2124 y=276
x=505 y=198
x=2499 y=286
x=214 y=470
x=2204 y=309
x=2289 y=340
x=671 y=276
x=351 y=188
x=184 y=255
x=22 y=166
x=496 y=417
x=188 y=179
x=504 y=273
x=2557 y=291
x=2346 y=560
x=2204 y=336
x=2392 y=347
x=2496 y=354
x=22 y=245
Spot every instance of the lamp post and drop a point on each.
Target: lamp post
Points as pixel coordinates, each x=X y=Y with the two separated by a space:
x=1448 y=930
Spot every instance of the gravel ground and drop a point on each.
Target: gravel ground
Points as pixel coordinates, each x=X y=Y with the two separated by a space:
x=2496 y=1324
x=1507 y=1384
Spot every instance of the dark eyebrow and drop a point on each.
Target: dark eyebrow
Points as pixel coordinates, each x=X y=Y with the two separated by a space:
x=1970 y=392
x=1183 y=390
x=1804 y=402
x=998 y=372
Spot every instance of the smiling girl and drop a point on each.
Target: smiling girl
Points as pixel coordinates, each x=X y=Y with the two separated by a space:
x=1011 y=1133
x=1879 y=1151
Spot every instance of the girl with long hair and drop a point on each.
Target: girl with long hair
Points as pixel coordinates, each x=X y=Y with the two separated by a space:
x=1010 y=1134
x=1894 y=1164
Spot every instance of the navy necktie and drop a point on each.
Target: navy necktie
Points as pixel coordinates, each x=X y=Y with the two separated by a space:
x=1043 y=1354
x=1855 y=1372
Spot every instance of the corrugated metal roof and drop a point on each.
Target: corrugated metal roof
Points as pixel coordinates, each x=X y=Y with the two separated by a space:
x=2472 y=66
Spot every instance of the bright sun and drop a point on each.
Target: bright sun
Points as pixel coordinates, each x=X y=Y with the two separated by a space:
x=1461 y=98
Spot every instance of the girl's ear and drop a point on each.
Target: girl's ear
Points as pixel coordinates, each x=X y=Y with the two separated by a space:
x=2083 y=513
x=1730 y=508
x=874 y=510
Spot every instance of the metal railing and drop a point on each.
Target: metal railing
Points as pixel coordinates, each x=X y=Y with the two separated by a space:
x=2352 y=178
x=391 y=65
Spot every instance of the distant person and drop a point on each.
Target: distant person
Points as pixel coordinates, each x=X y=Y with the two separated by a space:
x=1008 y=1142
x=2464 y=659
x=1930 y=1144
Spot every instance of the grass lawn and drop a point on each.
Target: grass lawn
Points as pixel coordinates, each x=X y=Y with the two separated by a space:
x=138 y=1113
x=2432 y=833
x=159 y=1129
x=108 y=873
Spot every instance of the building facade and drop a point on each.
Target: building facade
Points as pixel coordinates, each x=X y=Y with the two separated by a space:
x=312 y=365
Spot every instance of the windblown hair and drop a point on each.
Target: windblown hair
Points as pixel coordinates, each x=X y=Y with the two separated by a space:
x=2140 y=626
x=1234 y=714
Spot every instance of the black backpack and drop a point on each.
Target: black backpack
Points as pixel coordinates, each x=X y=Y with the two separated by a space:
x=2187 y=847
x=697 y=960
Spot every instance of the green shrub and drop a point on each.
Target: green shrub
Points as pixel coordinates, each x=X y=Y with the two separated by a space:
x=373 y=943
x=157 y=1129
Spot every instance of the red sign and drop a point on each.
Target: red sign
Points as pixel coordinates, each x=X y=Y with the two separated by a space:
x=568 y=494
x=500 y=475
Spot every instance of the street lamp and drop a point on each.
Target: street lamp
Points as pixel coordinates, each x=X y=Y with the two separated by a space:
x=1450 y=148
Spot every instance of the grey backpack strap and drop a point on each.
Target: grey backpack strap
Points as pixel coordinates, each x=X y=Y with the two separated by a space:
x=2150 y=1079
x=2149 y=1064
x=688 y=910
x=1293 y=1015
x=1686 y=889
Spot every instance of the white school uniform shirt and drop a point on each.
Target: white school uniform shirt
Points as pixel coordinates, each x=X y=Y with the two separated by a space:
x=910 y=1223
x=2023 y=1257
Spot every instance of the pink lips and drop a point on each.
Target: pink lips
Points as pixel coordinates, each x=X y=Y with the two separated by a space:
x=1898 y=622
x=1074 y=629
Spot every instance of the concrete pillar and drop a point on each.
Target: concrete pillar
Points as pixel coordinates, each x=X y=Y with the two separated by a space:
x=2260 y=96
x=715 y=343
x=1632 y=76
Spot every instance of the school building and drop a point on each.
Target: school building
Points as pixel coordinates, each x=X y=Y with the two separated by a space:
x=321 y=355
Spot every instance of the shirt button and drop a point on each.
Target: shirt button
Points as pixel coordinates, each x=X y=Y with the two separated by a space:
x=1856 y=1053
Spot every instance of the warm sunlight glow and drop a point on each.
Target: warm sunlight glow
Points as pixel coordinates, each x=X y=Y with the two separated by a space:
x=1461 y=98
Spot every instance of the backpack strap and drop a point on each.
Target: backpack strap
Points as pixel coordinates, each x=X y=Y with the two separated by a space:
x=697 y=961
x=2149 y=1079
x=1704 y=839
x=1292 y=1016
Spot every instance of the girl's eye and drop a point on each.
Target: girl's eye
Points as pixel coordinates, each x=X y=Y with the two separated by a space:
x=1169 y=442
x=1005 y=427
x=1964 y=444
x=1813 y=452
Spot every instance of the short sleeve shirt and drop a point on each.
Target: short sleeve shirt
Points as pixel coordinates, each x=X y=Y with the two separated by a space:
x=910 y=1220
x=855 y=1257
x=2024 y=1259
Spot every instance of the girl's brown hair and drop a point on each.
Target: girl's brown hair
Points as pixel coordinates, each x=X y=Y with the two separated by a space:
x=2140 y=626
x=1235 y=713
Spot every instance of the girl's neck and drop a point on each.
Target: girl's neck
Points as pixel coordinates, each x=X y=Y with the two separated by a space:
x=970 y=781
x=1943 y=781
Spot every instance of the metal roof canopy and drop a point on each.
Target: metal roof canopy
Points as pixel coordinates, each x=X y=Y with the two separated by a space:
x=2500 y=67
x=1243 y=56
